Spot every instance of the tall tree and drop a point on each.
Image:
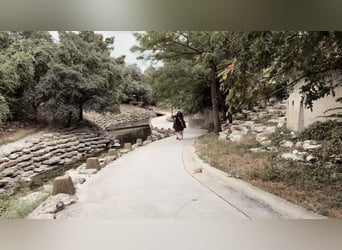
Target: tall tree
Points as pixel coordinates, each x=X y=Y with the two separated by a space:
x=82 y=76
x=181 y=84
x=23 y=60
x=199 y=47
x=133 y=85
x=269 y=63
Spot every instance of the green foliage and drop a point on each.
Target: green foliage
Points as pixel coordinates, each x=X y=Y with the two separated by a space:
x=23 y=61
x=322 y=131
x=82 y=76
x=134 y=85
x=4 y=111
x=200 y=48
x=296 y=173
x=265 y=64
x=281 y=134
x=181 y=84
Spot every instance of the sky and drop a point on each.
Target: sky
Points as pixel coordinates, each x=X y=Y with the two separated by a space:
x=123 y=41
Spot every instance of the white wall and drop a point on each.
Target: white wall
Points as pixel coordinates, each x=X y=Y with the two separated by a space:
x=299 y=117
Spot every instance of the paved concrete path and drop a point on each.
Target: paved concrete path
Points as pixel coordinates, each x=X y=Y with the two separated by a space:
x=158 y=181
x=149 y=182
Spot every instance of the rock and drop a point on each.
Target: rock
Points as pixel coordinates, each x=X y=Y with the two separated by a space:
x=249 y=124
x=299 y=144
x=4 y=159
x=262 y=137
x=257 y=150
x=223 y=135
x=48 y=136
x=52 y=161
x=93 y=163
x=87 y=171
x=310 y=158
x=289 y=156
x=149 y=138
x=60 y=206
x=260 y=128
x=14 y=156
x=10 y=172
x=236 y=136
x=310 y=146
x=63 y=184
x=270 y=129
x=25 y=164
x=272 y=149
x=281 y=124
x=7 y=181
x=312 y=142
x=25 y=157
x=266 y=143
x=110 y=159
x=26 y=150
x=286 y=144
x=76 y=177
x=295 y=152
x=49 y=207
x=113 y=152
x=198 y=170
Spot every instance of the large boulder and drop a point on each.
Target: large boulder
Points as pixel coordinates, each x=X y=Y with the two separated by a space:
x=52 y=205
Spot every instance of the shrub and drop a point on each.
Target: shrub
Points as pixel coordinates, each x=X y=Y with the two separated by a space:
x=322 y=130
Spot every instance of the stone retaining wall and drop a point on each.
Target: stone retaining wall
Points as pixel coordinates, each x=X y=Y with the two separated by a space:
x=48 y=152
x=129 y=115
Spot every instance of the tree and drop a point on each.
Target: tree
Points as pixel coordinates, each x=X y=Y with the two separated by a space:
x=202 y=48
x=181 y=84
x=269 y=63
x=82 y=76
x=133 y=85
x=23 y=60
x=314 y=57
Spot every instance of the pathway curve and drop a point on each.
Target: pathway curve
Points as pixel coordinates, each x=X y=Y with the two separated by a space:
x=150 y=182
x=158 y=181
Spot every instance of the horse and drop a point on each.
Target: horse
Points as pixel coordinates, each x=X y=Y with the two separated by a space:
x=179 y=125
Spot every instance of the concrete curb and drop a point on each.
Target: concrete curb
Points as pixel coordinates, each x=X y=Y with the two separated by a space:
x=250 y=200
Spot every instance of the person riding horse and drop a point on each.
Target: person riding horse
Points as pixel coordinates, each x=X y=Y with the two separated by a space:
x=179 y=124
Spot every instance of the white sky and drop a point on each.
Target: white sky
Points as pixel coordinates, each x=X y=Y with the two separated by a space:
x=123 y=42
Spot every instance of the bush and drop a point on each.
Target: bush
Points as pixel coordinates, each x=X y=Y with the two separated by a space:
x=322 y=130
x=4 y=111
x=281 y=134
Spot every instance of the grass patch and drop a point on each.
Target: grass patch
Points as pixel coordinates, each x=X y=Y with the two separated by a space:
x=14 y=206
x=281 y=134
x=314 y=186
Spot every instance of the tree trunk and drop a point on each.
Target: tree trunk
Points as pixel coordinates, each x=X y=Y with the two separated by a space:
x=68 y=120
x=80 y=116
x=213 y=90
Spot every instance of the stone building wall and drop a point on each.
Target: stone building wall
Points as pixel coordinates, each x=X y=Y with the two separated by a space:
x=298 y=117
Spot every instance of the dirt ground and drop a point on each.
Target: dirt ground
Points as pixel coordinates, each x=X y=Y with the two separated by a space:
x=13 y=133
x=256 y=168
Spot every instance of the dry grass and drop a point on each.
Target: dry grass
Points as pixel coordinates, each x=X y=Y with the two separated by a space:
x=17 y=134
x=292 y=182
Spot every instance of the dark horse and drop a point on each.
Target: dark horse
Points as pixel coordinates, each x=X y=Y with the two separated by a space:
x=179 y=124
